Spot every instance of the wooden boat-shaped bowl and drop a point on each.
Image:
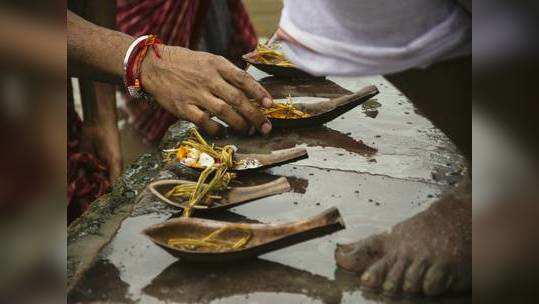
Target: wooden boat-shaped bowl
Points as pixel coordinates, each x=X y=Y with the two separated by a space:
x=231 y=198
x=325 y=111
x=278 y=71
x=277 y=157
x=265 y=237
x=254 y=161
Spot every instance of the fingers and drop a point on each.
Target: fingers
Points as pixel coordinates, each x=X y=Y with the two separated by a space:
x=256 y=117
x=245 y=82
x=226 y=113
x=202 y=120
x=235 y=97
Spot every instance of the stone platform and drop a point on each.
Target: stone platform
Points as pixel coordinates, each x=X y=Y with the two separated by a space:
x=379 y=164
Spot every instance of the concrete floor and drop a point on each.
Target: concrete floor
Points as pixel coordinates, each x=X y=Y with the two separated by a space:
x=378 y=164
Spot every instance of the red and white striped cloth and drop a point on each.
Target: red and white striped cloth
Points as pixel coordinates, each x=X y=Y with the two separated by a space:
x=180 y=23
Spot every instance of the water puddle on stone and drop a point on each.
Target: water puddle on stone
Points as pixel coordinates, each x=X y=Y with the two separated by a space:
x=131 y=268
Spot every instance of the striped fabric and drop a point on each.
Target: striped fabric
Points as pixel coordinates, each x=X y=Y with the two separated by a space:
x=183 y=23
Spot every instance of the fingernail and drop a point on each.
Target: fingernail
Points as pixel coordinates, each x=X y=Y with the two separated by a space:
x=267 y=102
x=388 y=286
x=266 y=127
x=252 y=130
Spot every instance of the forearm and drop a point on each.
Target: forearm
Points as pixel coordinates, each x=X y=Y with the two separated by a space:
x=95 y=52
x=98 y=99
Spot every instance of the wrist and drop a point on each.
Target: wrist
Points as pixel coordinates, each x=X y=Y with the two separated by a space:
x=150 y=67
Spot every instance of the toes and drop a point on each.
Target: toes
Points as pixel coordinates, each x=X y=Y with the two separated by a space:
x=360 y=255
x=413 y=279
x=375 y=275
x=394 y=277
x=437 y=280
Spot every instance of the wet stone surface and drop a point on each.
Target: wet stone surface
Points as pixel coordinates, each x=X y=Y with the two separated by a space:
x=377 y=170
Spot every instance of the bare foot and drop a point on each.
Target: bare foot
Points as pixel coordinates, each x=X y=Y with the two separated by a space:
x=428 y=254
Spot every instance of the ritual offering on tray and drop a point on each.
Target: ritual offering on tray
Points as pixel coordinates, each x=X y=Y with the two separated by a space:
x=285 y=111
x=270 y=54
x=270 y=59
x=178 y=193
x=214 y=180
x=195 y=152
x=293 y=114
x=204 y=240
x=214 y=242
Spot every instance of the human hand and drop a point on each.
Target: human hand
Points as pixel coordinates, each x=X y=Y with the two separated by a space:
x=196 y=85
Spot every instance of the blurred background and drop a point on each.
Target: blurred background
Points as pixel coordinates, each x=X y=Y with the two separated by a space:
x=504 y=127
x=33 y=163
x=505 y=149
x=264 y=15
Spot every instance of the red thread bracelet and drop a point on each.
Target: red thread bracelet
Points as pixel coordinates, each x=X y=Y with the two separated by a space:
x=134 y=57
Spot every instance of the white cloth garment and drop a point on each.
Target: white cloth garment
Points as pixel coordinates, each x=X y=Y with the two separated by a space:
x=371 y=37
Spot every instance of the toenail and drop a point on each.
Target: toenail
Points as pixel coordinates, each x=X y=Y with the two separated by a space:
x=389 y=286
x=344 y=249
x=407 y=286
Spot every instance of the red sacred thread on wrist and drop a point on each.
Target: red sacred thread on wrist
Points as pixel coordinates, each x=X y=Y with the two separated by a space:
x=133 y=71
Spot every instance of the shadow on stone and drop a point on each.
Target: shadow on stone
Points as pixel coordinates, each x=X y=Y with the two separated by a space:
x=176 y=282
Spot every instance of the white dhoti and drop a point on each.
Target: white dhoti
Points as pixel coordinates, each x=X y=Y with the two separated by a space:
x=371 y=37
